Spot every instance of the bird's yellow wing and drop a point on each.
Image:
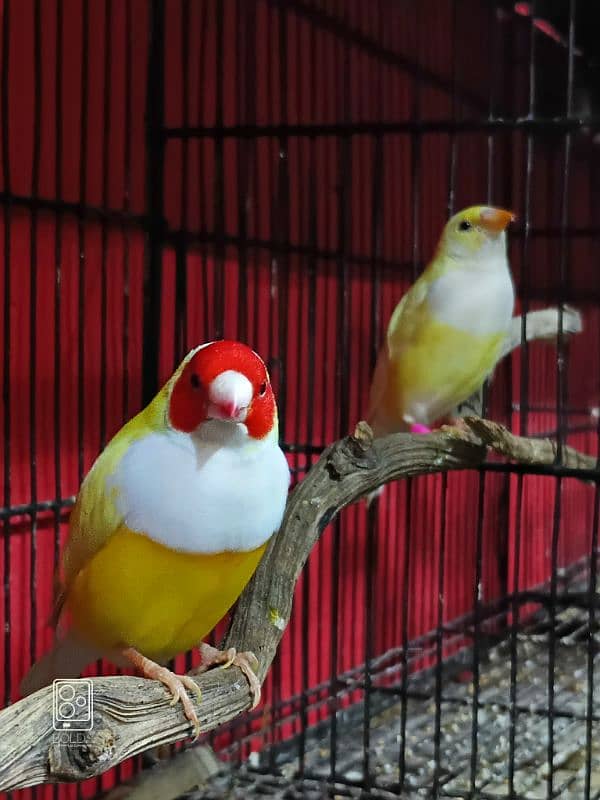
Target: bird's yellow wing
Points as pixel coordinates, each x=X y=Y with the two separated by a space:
x=407 y=318
x=378 y=384
x=95 y=518
x=402 y=330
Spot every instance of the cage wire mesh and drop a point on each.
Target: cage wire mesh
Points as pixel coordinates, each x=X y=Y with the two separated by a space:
x=279 y=171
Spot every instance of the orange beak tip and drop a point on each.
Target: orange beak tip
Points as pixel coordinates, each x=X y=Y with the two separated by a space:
x=497 y=219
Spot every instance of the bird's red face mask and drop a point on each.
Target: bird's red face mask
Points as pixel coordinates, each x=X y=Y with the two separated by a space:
x=224 y=380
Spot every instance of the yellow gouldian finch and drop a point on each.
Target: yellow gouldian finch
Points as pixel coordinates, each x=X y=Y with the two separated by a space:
x=170 y=524
x=445 y=335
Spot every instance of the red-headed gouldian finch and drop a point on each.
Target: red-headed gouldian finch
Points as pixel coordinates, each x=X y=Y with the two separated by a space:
x=171 y=522
x=445 y=335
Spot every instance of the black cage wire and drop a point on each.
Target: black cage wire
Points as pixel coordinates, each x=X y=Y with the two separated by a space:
x=299 y=159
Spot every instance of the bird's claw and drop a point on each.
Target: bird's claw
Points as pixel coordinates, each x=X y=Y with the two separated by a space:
x=454 y=425
x=230 y=654
x=243 y=661
x=247 y=663
x=175 y=684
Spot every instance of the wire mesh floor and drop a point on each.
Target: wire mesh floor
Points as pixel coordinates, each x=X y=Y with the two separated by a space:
x=455 y=772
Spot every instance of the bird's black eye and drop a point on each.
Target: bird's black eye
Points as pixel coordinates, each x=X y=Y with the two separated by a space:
x=195 y=381
x=262 y=389
x=465 y=225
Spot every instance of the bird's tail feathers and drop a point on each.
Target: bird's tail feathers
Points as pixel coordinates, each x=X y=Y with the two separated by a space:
x=67 y=659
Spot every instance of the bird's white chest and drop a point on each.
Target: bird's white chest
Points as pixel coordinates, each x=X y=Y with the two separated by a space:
x=202 y=496
x=475 y=301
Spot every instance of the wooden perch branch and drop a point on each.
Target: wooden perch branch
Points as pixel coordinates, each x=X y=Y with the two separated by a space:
x=133 y=714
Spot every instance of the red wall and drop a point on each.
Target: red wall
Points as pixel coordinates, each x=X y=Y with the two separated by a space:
x=322 y=233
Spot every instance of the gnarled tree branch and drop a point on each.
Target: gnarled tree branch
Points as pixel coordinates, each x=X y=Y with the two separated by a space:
x=133 y=714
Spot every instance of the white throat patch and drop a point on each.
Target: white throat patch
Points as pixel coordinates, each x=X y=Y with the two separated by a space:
x=209 y=492
x=480 y=302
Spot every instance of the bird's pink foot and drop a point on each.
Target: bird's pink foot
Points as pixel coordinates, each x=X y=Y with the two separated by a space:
x=247 y=662
x=176 y=684
x=416 y=427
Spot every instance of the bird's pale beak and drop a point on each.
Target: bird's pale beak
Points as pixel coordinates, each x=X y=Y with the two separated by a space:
x=229 y=411
x=495 y=220
x=229 y=397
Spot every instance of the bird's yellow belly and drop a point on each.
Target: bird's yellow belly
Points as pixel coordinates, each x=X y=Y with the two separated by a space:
x=440 y=369
x=138 y=593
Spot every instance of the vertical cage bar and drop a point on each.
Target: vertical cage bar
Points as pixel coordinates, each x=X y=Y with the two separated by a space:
x=525 y=288
x=344 y=187
x=280 y=269
x=478 y=587
x=127 y=114
x=405 y=638
x=282 y=229
x=524 y=407
x=81 y=304
x=35 y=179
x=180 y=339
x=58 y=229
x=219 y=180
x=515 y=608
x=246 y=35
x=561 y=402
x=552 y=633
x=202 y=41
x=415 y=184
x=106 y=164
x=372 y=515
x=310 y=432
x=592 y=646
x=81 y=249
x=490 y=143
x=561 y=344
x=344 y=179
x=7 y=346
x=476 y=662
x=441 y=597
x=299 y=677
x=155 y=154
x=439 y=641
